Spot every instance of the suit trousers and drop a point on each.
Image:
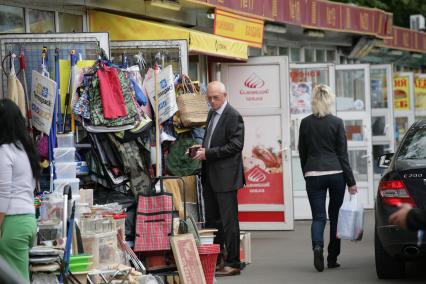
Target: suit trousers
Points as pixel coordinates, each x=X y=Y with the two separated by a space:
x=316 y=187
x=221 y=210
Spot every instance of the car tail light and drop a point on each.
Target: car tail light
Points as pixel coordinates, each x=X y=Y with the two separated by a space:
x=394 y=192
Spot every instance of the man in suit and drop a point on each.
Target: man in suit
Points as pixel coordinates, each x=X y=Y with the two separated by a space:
x=223 y=174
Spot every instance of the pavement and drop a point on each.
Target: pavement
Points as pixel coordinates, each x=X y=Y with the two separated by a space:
x=286 y=257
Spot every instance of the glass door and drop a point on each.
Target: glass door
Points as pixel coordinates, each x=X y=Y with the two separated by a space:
x=303 y=78
x=382 y=120
x=354 y=107
x=403 y=97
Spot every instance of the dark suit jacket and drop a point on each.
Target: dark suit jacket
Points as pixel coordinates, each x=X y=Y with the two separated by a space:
x=223 y=168
x=323 y=146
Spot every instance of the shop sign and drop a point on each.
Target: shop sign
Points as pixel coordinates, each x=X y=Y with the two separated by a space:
x=233 y=26
x=407 y=39
x=254 y=7
x=255 y=87
x=43 y=97
x=420 y=92
x=263 y=166
x=401 y=92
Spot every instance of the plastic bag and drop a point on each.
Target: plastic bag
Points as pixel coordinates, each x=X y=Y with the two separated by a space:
x=350 y=225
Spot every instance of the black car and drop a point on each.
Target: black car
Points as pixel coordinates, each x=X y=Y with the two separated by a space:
x=404 y=181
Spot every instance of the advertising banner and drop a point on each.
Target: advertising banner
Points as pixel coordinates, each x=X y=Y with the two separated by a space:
x=420 y=92
x=255 y=87
x=401 y=92
x=43 y=97
x=263 y=166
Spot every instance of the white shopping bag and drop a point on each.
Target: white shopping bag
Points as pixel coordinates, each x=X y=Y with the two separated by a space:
x=350 y=225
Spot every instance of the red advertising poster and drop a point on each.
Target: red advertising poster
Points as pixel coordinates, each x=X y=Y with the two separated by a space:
x=263 y=166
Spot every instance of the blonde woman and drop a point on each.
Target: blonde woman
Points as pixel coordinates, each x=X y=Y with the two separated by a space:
x=325 y=166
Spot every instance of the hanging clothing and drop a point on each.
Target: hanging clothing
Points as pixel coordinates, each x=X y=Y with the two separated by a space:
x=111 y=95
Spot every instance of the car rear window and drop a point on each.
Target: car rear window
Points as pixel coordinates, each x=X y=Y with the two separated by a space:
x=414 y=146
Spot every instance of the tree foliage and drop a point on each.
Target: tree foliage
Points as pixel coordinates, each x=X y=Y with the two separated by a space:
x=401 y=9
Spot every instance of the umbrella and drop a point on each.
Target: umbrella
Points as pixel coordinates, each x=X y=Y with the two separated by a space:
x=27 y=97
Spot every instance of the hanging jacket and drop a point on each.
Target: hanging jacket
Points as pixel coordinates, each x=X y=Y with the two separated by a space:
x=15 y=92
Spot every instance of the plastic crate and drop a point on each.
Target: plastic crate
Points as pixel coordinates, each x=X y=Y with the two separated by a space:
x=64 y=155
x=66 y=170
x=80 y=267
x=65 y=140
x=59 y=185
x=80 y=258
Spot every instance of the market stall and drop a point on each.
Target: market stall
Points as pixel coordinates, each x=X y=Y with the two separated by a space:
x=114 y=132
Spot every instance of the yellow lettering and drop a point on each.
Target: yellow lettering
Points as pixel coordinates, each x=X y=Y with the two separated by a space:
x=348 y=18
x=253 y=31
x=314 y=12
x=364 y=21
x=406 y=39
x=247 y=4
x=294 y=9
x=331 y=16
x=274 y=8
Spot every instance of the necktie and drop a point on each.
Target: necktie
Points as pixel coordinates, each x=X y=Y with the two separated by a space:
x=209 y=131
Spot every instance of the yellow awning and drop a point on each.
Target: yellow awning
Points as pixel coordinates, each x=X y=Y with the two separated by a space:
x=124 y=28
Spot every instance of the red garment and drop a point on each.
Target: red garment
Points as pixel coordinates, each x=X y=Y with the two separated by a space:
x=111 y=95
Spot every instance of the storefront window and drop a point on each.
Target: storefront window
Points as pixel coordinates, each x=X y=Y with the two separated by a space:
x=320 y=55
x=378 y=125
x=41 y=21
x=378 y=84
x=354 y=130
x=70 y=23
x=302 y=82
x=193 y=70
x=294 y=54
x=350 y=90
x=271 y=50
x=401 y=126
x=420 y=92
x=11 y=19
x=331 y=56
x=358 y=162
x=309 y=55
x=283 y=50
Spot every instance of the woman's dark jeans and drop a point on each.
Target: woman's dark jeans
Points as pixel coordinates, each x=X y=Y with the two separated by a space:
x=317 y=192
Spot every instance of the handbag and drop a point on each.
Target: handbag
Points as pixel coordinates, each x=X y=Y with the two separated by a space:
x=350 y=225
x=192 y=105
x=179 y=164
x=154 y=222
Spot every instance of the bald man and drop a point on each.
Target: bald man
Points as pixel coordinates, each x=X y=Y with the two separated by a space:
x=223 y=174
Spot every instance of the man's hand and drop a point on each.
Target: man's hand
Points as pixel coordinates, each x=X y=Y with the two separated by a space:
x=353 y=189
x=399 y=218
x=201 y=154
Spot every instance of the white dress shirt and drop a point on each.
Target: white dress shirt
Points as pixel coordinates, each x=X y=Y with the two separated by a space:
x=16 y=181
x=215 y=120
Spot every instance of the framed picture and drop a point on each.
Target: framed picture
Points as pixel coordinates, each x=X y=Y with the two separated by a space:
x=187 y=259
